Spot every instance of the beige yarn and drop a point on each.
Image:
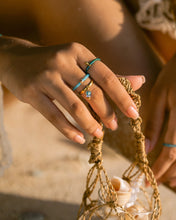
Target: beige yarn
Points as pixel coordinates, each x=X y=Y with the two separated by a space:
x=97 y=174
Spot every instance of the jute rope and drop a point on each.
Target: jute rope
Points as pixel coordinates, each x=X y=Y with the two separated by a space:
x=97 y=174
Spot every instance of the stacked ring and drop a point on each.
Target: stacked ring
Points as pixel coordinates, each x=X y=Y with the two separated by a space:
x=87 y=74
x=90 y=64
x=86 y=90
x=81 y=81
x=169 y=145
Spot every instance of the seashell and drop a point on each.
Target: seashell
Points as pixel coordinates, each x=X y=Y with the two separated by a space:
x=123 y=197
x=136 y=209
x=138 y=212
x=122 y=189
x=120 y=185
x=142 y=216
x=139 y=217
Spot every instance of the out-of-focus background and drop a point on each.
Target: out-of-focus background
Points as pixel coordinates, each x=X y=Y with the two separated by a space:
x=48 y=172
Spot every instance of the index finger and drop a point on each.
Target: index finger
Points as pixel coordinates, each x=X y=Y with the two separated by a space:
x=109 y=82
x=164 y=162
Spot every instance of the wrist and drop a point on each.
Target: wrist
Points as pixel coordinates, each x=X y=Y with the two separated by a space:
x=9 y=48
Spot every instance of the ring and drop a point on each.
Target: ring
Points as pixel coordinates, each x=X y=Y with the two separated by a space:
x=81 y=81
x=86 y=90
x=169 y=145
x=87 y=74
x=90 y=64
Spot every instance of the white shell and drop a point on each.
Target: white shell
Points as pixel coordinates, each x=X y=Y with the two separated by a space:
x=139 y=212
x=120 y=185
x=136 y=209
x=123 y=197
x=122 y=189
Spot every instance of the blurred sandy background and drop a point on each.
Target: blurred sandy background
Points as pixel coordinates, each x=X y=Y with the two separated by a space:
x=48 y=172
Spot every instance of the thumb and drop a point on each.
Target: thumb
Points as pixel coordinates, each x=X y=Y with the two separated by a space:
x=136 y=81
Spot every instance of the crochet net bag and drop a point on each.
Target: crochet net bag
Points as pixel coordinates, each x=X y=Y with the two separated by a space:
x=101 y=200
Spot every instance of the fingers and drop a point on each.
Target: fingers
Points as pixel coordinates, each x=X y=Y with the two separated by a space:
x=98 y=101
x=136 y=81
x=50 y=111
x=164 y=162
x=167 y=157
x=108 y=81
x=101 y=106
x=76 y=108
x=170 y=176
x=170 y=136
x=155 y=119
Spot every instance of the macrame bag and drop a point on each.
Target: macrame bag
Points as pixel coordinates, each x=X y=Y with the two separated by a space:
x=101 y=200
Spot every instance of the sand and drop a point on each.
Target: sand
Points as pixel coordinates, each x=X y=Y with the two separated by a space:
x=48 y=171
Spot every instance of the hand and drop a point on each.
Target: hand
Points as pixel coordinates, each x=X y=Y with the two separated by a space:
x=163 y=102
x=38 y=75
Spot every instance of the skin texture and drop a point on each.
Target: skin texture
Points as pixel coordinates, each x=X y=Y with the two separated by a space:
x=50 y=76
x=109 y=32
x=163 y=102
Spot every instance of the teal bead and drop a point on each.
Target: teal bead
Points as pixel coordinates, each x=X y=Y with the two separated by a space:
x=82 y=80
x=88 y=94
x=169 y=145
x=90 y=64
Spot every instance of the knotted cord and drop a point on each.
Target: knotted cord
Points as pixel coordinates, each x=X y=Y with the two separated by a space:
x=97 y=174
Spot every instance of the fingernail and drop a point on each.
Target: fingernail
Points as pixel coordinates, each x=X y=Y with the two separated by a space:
x=147 y=145
x=98 y=133
x=132 y=112
x=113 y=125
x=143 y=79
x=79 y=139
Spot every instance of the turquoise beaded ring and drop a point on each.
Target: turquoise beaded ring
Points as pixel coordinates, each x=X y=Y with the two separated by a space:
x=89 y=64
x=169 y=145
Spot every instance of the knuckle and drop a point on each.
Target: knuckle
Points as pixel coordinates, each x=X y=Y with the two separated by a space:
x=109 y=79
x=171 y=155
x=91 y=128
x=60 y=60
x=53 y=77
x=67 y=133
x=76 y=109
x=98 y=97
x=75 y=47
x=96 y=94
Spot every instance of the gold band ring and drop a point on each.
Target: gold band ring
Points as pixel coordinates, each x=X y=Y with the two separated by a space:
x=86 y=90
